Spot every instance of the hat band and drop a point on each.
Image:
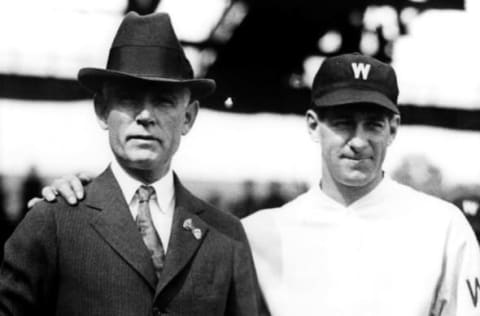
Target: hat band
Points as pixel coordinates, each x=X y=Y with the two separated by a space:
x=150 y=61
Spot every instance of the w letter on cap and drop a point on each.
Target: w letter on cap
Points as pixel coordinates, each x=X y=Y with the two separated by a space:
x=361 y=69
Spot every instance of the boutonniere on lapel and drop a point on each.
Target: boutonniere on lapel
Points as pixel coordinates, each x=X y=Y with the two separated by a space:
x=188 y=225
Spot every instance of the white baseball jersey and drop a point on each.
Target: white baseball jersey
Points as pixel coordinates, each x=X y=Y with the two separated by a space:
x=395 y=251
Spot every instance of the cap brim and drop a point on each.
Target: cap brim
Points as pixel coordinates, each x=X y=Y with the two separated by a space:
x=93 y=79
x=350 y=96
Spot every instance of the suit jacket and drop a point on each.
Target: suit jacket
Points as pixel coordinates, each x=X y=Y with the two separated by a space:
x=90 y=259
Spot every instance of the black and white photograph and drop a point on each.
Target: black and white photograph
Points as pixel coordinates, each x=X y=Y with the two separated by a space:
x=240 y=158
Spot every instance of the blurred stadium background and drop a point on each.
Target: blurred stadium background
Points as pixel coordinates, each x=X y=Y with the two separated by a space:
x=249 y=148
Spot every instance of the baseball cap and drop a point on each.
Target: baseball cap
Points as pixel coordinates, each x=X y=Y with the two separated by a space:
x=355 y=78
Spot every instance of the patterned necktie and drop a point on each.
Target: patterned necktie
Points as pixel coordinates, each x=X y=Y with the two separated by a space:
x=147 y=229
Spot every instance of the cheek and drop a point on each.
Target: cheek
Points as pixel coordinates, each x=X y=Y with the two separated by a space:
x=331 y=143
x=380 y=148
x=117 y=117
x=171 y=123
x=117 y=126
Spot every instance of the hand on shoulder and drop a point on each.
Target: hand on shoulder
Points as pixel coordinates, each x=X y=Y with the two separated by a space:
x=70 y=187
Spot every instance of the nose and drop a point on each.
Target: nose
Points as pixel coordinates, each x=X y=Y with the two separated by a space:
x=359 y=139
x=145 y=115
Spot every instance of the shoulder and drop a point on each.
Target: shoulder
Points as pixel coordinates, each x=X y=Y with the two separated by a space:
x=262 y=219
x=262 y=229
x=265 y=229
x=435 y=210
x=57 y=217
x=404 y=194
x=221 y=221
x=47 y=211
x=38 y=227
x=259 y=222
x=60 y=210
x=217 y=217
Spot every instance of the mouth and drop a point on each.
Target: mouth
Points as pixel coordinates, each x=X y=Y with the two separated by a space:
x=357 y=159
x=147 y=138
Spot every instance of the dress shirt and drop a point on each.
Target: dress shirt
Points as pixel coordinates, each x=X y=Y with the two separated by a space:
x=162 y=204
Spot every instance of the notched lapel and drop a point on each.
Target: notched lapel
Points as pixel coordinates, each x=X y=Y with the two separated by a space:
x=183 y=243
x=115 y=225
x=182 y=246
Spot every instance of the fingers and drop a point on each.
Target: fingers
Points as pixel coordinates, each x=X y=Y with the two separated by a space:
x=49 y=193
x=77 y=186
x=33 y=201
x=65 y=188
x=84 y=178
x=69 y=187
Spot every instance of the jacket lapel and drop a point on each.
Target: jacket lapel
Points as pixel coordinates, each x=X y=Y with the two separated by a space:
x=183 y=241
x=114 y=223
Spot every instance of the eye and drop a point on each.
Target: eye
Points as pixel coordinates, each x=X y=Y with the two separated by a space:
x=375 y=124
x=341 y=123
x=164 y=101
x=126 y=99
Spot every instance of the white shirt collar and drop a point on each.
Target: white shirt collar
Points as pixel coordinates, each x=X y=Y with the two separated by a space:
x=374 y=196
x=164 y=187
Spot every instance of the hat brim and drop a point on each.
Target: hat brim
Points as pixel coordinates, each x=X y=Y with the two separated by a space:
x=347 y=96
x=94 y=78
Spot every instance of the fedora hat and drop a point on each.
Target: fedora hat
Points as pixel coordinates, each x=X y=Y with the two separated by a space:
x=146 y=48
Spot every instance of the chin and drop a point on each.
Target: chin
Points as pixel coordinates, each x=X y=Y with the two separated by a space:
x=144 y=165
x=144 y=162
x=357 y=180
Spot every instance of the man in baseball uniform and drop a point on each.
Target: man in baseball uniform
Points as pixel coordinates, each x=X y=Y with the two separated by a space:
x=359 y=243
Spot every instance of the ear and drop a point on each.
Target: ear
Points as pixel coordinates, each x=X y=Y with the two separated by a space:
x=313 y=125
x=191 y=112
x=394 y=124
x=100 y=110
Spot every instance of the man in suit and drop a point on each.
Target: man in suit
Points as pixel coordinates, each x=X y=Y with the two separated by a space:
x=139 y=243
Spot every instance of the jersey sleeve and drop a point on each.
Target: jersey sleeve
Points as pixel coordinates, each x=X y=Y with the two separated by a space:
x=459 y=289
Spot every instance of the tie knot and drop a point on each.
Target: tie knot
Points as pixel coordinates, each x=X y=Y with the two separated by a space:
x=145 y=193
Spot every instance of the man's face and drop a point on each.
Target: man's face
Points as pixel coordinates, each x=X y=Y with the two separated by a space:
x=354 y=141
x=145 y=123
